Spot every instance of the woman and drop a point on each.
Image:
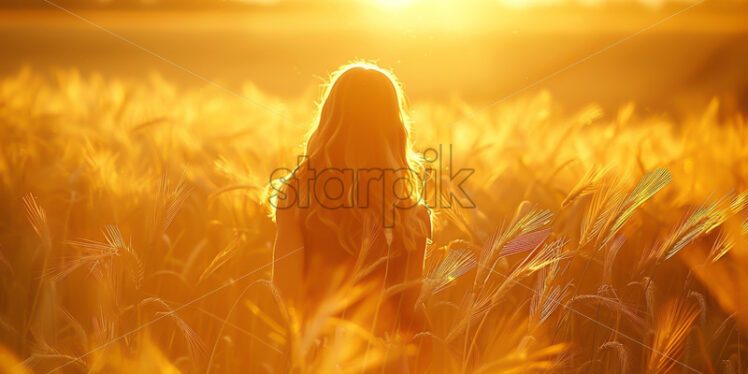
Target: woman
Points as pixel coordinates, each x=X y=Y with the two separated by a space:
x=353 y=203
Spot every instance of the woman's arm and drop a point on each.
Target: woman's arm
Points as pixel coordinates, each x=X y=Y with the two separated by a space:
x=414 y=318
x=288 y=257
x=415 y=262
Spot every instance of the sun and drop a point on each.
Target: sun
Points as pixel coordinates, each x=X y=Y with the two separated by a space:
x=393 y=3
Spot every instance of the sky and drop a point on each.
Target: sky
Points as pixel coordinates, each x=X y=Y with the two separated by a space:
x=441 y=49
x=203 y=4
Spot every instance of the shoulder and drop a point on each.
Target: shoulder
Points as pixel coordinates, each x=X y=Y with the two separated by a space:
x=285 y=202
x=285 y=192
x=423 y=214
x=288 y=218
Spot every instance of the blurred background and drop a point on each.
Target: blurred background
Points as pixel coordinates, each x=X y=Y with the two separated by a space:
x=131 y=188
x=475 y=50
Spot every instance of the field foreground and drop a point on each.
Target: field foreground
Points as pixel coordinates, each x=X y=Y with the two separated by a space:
x=132 y=237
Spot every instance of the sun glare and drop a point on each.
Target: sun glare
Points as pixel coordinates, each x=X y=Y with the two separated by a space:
x=558 y=186
x=393 y=3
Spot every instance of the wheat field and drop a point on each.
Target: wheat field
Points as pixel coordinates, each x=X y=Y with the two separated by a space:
x=134 y=237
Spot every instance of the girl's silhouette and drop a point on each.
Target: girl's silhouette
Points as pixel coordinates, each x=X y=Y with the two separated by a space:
x=353 y=203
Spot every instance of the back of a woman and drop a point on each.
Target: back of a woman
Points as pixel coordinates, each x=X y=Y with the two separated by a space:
x=350 y=213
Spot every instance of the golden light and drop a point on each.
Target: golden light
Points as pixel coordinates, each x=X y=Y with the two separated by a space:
x=584 y=161
x=393 y=3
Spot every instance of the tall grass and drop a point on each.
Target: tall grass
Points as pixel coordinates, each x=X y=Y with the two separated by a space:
x=600 y=242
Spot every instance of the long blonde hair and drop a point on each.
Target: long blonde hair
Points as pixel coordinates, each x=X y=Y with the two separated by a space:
x=362 y=123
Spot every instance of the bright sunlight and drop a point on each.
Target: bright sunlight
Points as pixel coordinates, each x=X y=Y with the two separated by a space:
x=373 y=186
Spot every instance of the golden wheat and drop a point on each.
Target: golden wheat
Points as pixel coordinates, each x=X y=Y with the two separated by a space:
x=126 y=202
